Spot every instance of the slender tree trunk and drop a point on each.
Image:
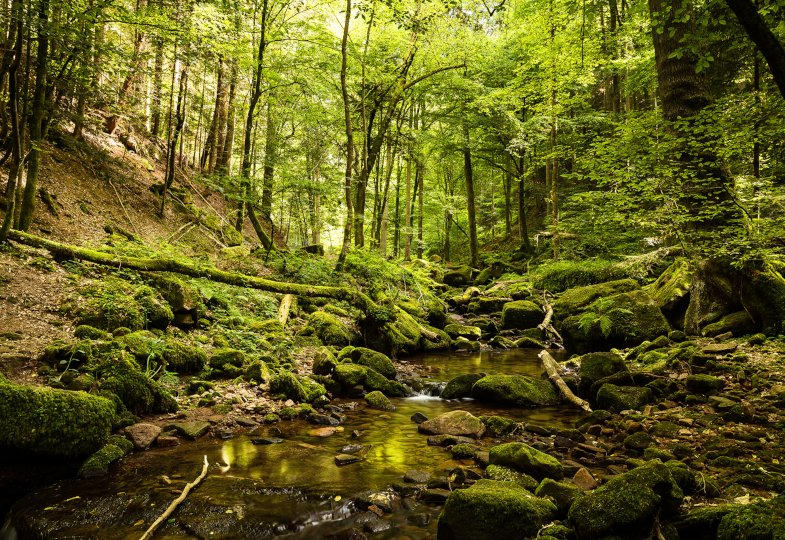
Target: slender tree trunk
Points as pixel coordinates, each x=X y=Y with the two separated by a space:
x=15 y=37
x=407 y=240
x=179 y=120
x=397 y=220
x=137 y=62
x=158 y=70
x=347 y=118
x=470 y=202
x=208 y=152
x=268 y=173
x=421 y=167
x=225 y=159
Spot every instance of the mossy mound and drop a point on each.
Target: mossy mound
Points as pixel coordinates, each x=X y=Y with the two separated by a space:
x=596 y=366
x=98 y=463
x=517 y=390
x=323 y=361
x=521 y=314
x=183 y=357
x=623 y=320
x=507 y=474
x=458 y=276
x=350 y=376
x=573 y=300
x=380 y=362
x=497 y=426
x=627 y=505
x=558 y=276
x=85 y=331
x=461 y=386
x=701 y=383
x=141 y=395
x=296 y=388
x=329 y=329
x=616 y=398
x=49 y=422
x=455 y=331
x=460 y=423
x=227 y=362
x=738 y=323
x=491 y=509
x=671 y=290
x=765 y=519
x=562 y=493
x=113 y=303
x=524 y=458
x=378 y=400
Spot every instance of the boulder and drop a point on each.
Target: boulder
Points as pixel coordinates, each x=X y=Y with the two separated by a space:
x=562 y=493
x=323 y=361
x=461 y=386
x=350 y=376
x=491 y=509
x=627 y=505
x=375 y=360
x=458 y=422
x=517 y=390
x=521 y=314
x=377 y=400
x=596 y=366
x=704 y=384
x=142 y=435
x=526 y=459
x=455 y=331
x=329 y=329
x=573 y=300
x=289 y=385
x=98 y=463
x=620 y=398
x=458 y=277
x=506 y=474
x=737 y=323
x=192 y=429
x=671 y=290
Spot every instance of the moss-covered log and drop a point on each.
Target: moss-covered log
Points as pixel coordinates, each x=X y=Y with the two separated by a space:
x=62 y=251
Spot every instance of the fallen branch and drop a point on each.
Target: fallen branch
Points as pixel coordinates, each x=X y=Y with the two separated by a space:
x=546 y=325
x=163 y=264
x=552 y=369
x=175 y=503
x=283 y=309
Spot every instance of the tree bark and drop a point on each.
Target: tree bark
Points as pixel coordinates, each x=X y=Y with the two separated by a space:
x=347 y=120
x=470 y=203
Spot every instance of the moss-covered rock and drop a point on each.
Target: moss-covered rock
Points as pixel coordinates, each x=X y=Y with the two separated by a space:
x=620 y=398
x=738 y=323
x=701 y=383
x=369 y=358
x=497 y=426
x=49 y=422
x=627 y=505
x=457 y=422
x=527 y=342
x=596 y=366
x=329 y=329
x=765 y=519
x=350 y=376
x=463 y=450
x=521 y=314
x=461 y=386
x=623 y=320
x=562 y=493
x=296 y=388
x=491 y=510
x=573 y=300
x=702 y=523
x=183 y=357
x=120 y=375
x=185 y=300
x=113 y=303
x=517 y=390
x=98 y=463
x=85 y=331
x=671 y=290
x=522 y=457
x=507 y=474
x=323 y=361
x=458 y=276
x=378 y=400
x=456 y=330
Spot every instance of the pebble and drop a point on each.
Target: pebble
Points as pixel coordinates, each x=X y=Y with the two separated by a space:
x=266 y=440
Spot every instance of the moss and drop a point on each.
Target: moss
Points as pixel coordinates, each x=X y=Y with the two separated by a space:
x=521 y=314
x=143 y=345
x=122 y=443
x=627 y=504
x=180 y=295
x=657 y=453
x=506 y=474
x=292 y=387
x=619 y=398
x=257 y=371
x=323 y=361
x=517 y=390
x=702 y=523
x=402 y=335
x=139 y=394
x=48 y=422
x=224 y=357
x=517 y=288
x=491 y=509
x=369 y=358
x=85 y=331
x=497 y=426
x=562 y=493
x=639 y=440
x=329 y=329
x=463 y=330
x=461 y=386
x=183 y=357
x=574 y=300
x=672 y=287
x=458 y=276
x=98 y=463
x=598 y=365
x=527 y=342
x=463 y=451
x=351 y=375
x=378 y=400
x=558 y=276
x=113 y=303
x=526 y=459
x=765 y=519
x=62 y=354
x=701 y=383
x=197 y=386
x=738 y=323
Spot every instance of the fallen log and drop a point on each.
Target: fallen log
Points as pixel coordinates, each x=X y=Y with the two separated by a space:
x=552 y=369
x=283 y=309
x=175 y=503
x=62 y=251
x=547 y=326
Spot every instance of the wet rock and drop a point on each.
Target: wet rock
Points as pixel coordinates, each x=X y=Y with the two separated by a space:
x=638 y=441
x=447 y=440
x=463 y=451
x=375 y=360
x=521 y=314
x=764 y=519
x=142 y=434
x=464 y=344
x=527 y=342
x=584 y=479
x=455 y=331
x=190 y=430
x=496 y=426
x=418 y=418
x=415 y=477
x=435 y=495
x=621 y=398
x=627 y=504
x=346 y=459
x=517 y=390
x=573 y=300
x=491 y=509
x=461 y=386
x=596 y=366
x=322 y=431
x=266 y=440
x=384 y=500
x=704 y=384
x=562 y=493
x=720 y=348
x=377 y=400
x=501 y=342
x=323 y=419
x=167 y=441
x=526 y=459
x=506 y=474
x=98 y=463
x=457 y=422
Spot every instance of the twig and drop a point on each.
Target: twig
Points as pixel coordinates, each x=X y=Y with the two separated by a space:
x=552 y=369
x=175 y=503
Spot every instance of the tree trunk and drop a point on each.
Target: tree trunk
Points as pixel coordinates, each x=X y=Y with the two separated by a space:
x=407 y=240
x=158 y=70
x=470 y=208
x=347 y=119
x=179 y=120
x=15 y=36
x=268 y=173
x=420 y=191
x=208 y=152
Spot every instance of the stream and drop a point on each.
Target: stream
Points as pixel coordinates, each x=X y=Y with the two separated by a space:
x=293 y=488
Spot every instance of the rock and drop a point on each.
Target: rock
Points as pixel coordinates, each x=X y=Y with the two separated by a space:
x=521 y=314
x=435 y=495
x=220 y=358
x=584 y=479
x=418 y=418
x=764 y=519
x=447 y=440
x=492 y=510
x=720 y=348
x=738 y=324
x=377 y=361
x=323 y=419
x=501 y=342
x=377 y=400
x=596 y=366
x=457 y=422
x=722 y=403
x=350 y=376
x=506 y=474
x=415 y=477
x=627 y=504
x=458 y=277
x=622 y=320
x=463 y=451
x=621 y=398
x=464 y=344
x=329 y=329
x=190 y=430
x=98 y=464
x=142 y=434
x=704 y=384
x=527 y=342
x=346 y=459
x=322 y=431
x=266 y=440
x=455 y=331
x=497 y=426
x=461 y=386
x=573 y=300
x=526 y=459
x=671 y=290
x=167 y=441
x=299 y=389
x=638 y=441
x=702 y=523
x=323 y=361
x=517 y=390
x=562 y=493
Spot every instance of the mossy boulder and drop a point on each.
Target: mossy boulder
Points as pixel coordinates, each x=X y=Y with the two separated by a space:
x=296 y=388
x=701 y=383
x=378 y=400
x=323 y=361
x=497 y=426
x=738 y=323
x=113 y=303
x=329 y=329
x=380 y=362
x=458 y=276
x=455 y=331
x=141 y=395
x=48 y=422
x=185 y=300
x=225 y=357
x=764 y=519
x=524 y=458
x=491 y=509
x=516 y=390
x=562 y=493
x=573 y=300
x=619 y=321
x=671 y=290
x=98 y=463
x=616 y=398
x=521 y=314
x=461 y=386
x=457 y=422
x=184 y=358
x=627 y=505
x=85 y=331
x=350 y=376
x=596 y=366
x=507 y=474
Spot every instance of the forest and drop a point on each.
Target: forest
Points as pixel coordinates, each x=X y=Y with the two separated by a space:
x=347 y=269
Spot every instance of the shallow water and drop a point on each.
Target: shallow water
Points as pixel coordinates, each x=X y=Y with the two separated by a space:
x=293 y=487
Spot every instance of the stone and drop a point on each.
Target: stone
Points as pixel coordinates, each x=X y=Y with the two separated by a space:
x=415 y=477
x=456 y=422
x=506 y=474
x=638 y=441
x=266 y=440
x=455 y=331
x=521 y=314
x=448 y=440
x=620 y=398
x=142 y=434
x=166 y=441
x=346 y=459
x=596 y=366
x=720 y=348
x=584 y=479
x=363 y=356
x=704 y=384
x=191 y=430
x=323 y=419
x=491 y=510
x=322 y=431
x=522 y=457
x=435 y=495
x=418 y=418
x=516 y=390
x=461 y=386
x=562 y=493
x=573 y=300
x=377 y=400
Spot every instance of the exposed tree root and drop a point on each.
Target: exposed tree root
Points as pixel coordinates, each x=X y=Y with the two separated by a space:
x=552 y=369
